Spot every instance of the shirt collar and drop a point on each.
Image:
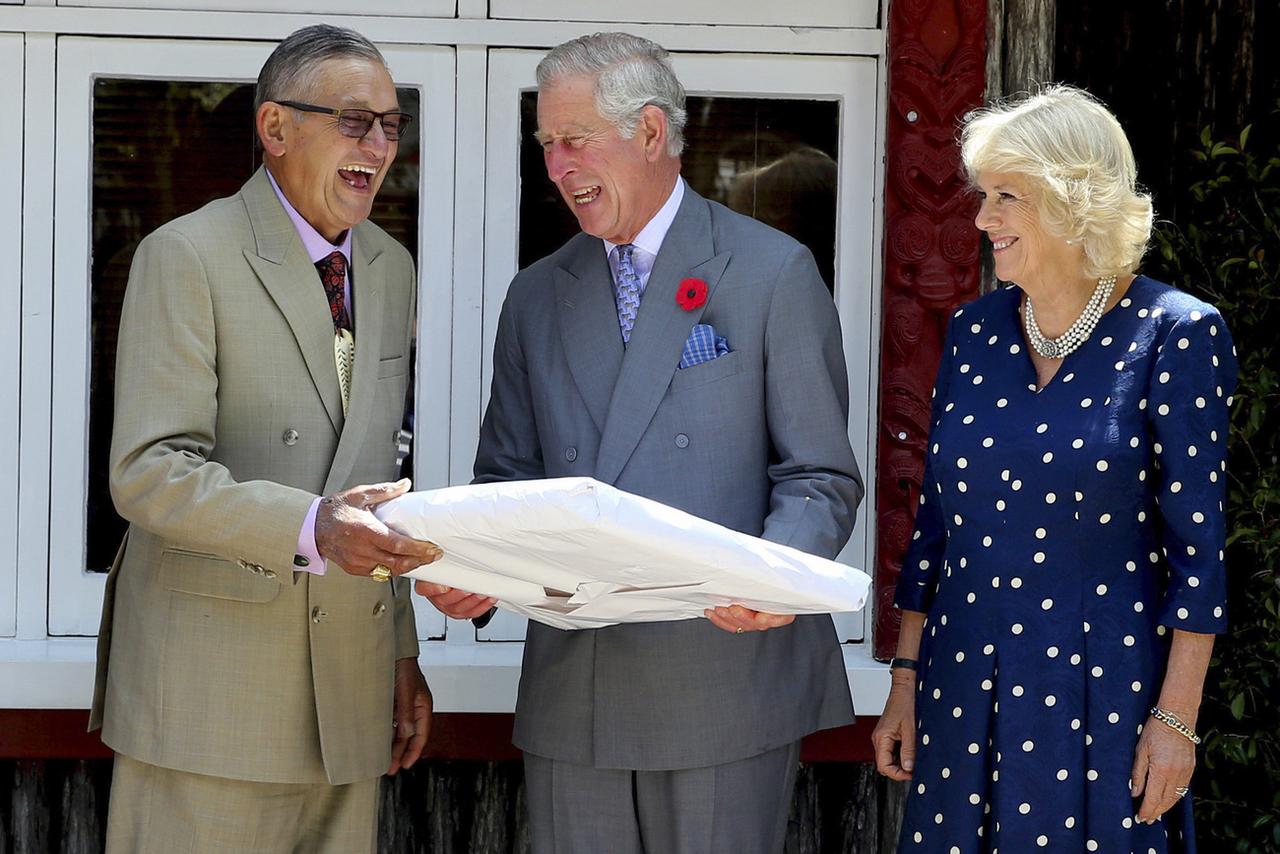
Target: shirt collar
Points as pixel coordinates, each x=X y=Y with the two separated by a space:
x=650 y=238
x=318 y=248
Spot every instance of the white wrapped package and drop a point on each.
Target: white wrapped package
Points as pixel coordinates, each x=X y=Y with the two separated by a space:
x=575 y=553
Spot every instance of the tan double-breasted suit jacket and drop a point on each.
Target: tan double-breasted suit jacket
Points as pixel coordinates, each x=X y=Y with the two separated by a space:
x=215 y=655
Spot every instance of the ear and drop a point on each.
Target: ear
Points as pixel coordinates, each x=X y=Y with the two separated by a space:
x=653 y=130
x=272 y=126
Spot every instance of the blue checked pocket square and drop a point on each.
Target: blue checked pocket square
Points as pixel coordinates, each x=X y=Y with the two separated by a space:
x=702 y=345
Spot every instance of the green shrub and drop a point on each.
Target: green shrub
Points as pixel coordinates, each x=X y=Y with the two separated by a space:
x=1226 y=249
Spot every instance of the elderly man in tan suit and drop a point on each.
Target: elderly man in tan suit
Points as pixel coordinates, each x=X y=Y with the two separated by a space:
x=255 y=679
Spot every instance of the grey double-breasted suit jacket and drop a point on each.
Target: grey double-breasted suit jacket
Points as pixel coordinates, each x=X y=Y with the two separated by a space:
x=755 y=440
x=215 y=656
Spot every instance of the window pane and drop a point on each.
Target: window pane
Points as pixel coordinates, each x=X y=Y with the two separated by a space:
x=162 y=149
x=770 y=158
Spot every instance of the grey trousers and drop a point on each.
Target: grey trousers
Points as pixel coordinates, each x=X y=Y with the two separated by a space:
x=739 y=807
x=175 y=812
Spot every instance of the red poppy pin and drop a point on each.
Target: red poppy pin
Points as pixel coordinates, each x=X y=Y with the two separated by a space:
x=692 y=294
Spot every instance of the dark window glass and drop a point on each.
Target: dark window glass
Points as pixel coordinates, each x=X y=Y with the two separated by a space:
x=162 y=149
x=770 y=158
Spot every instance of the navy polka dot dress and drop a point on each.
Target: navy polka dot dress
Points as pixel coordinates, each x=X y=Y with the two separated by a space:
x=1061 y=533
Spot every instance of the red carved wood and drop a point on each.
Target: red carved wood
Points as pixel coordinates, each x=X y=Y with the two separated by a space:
x=937 y=54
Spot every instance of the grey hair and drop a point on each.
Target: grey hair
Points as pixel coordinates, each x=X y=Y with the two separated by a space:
x=631 y=73
x=289 y=74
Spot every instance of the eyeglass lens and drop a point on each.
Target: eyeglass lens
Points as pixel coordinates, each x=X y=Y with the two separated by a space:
x=356 y=123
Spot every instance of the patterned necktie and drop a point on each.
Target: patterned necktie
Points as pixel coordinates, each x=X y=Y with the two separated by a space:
x=627 y=293
x=333 y=275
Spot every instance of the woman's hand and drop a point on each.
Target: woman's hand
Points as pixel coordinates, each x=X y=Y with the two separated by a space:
x=894 y=738
x=1162 y=762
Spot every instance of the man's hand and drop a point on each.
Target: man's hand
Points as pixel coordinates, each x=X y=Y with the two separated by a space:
x=737 y=619
x=455 y=603
x=894 y=738
x=348 y=533
x=411 y=714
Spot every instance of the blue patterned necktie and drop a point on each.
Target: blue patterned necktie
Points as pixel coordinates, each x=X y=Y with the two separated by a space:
x=627 y=292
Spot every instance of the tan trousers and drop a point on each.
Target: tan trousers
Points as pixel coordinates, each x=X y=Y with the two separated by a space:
x=164 y=811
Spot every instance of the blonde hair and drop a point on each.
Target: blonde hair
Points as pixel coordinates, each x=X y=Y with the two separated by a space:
x=1078 y=160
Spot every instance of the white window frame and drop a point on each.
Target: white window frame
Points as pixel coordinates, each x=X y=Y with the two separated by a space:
x=854 y=82
x=810 y=13
x=418 y=8
x=12 y=61
x=75 y=595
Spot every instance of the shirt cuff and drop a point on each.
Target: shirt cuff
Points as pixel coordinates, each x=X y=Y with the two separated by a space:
x=308 y=557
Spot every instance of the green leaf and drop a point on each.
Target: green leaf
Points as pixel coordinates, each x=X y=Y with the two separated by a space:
x=1237 y=706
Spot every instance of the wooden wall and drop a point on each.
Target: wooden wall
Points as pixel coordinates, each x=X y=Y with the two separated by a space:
x=441 y=807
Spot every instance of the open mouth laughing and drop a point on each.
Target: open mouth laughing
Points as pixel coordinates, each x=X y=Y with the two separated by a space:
x=586 y=195
x=357 y=175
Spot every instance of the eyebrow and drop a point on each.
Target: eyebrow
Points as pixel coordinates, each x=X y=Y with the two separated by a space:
x=572 y=130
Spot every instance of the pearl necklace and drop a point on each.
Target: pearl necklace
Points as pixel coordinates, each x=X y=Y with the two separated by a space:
x=1077 y=333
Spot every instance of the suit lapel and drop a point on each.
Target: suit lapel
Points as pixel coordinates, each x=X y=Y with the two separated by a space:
x=284 y=269
x=588 y=321
x=367 y=285
x=660 y=332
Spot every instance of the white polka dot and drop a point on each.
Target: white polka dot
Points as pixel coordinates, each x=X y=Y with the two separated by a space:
x=973 y=748
x=1133 y=443
x=1002 y=403
x=1104 y=518
x=1077 y=444
x=1024 y=808
x=1042 y=427
x=1197 y=517
x=977 y=380
x=920 y=789
x=1102 y=465
x=988 y=442
x=1017 y=690
x=1042 y=840
x=1086 y=403
x=1028 y=746
x=964 y=369
x=1119 y=365
x=1195 y=315
x=1075 y=723
x=1164 y=377
x=1131 y=566
x=1135 y=686
x=1038 y=557
x=962 y=463
x=1049 y=498
x=1142 y=312
x=1050 y=700
x=937 y=819
x=1183 y=343
x=986 y=541
x=975 y=799
x=1092 y=775
x=959 y=657
x=957 y=712
x=961 y=486
x=1096 y=671
x=1048 y=457
x=1092 y=844
x=1063 y=774
x=1075 y=658
x=1041 y=533
x=1052 y=652
x=1016 y=628
x=1015 y=582
x=1163 y=409
x=1129 y=640
x=917 y=837
x=1217 y=612
x=1101 y=590
x=1193 y=581
x=1175 y=487
x=1114 y=717
x=946 y=772
x=975 y=328
x=1000 y=504
x=1183 y=613
x=1016 y=485
x=986 y=684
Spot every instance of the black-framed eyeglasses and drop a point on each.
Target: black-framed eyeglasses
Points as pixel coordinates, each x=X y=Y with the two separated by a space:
x=355 y=123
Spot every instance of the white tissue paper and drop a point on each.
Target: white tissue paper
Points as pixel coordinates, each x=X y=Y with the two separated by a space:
x=575 y=553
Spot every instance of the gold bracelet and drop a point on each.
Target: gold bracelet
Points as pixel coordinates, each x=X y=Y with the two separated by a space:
x=1172 y=721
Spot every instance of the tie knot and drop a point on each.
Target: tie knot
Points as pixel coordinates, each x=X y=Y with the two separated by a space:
x=625 y=251
x=334 y=264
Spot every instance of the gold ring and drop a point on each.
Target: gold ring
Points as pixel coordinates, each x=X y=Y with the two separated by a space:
x=1181 y=791
x=380 y=572
x=739 y=630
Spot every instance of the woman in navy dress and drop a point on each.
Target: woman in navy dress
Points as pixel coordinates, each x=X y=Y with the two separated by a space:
x=1065 y=578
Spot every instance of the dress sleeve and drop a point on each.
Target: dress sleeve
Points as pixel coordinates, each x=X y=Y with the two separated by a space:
x=923 y=559
x=1188 y=407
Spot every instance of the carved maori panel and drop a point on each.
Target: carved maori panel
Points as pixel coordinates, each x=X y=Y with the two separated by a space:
x=936 y=75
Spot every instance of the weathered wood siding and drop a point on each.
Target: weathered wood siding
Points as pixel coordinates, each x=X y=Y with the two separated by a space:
x=60 y=807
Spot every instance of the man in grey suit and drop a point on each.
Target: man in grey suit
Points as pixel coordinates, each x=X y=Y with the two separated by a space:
x=691 y=355
x=254 y=678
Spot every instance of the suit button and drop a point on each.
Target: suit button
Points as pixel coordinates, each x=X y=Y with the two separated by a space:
x=242 y=563
x=379 y=609
x=571 y=453
x=268 y=573
x=682 y=441
x=318 y=616
x=290 y=437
